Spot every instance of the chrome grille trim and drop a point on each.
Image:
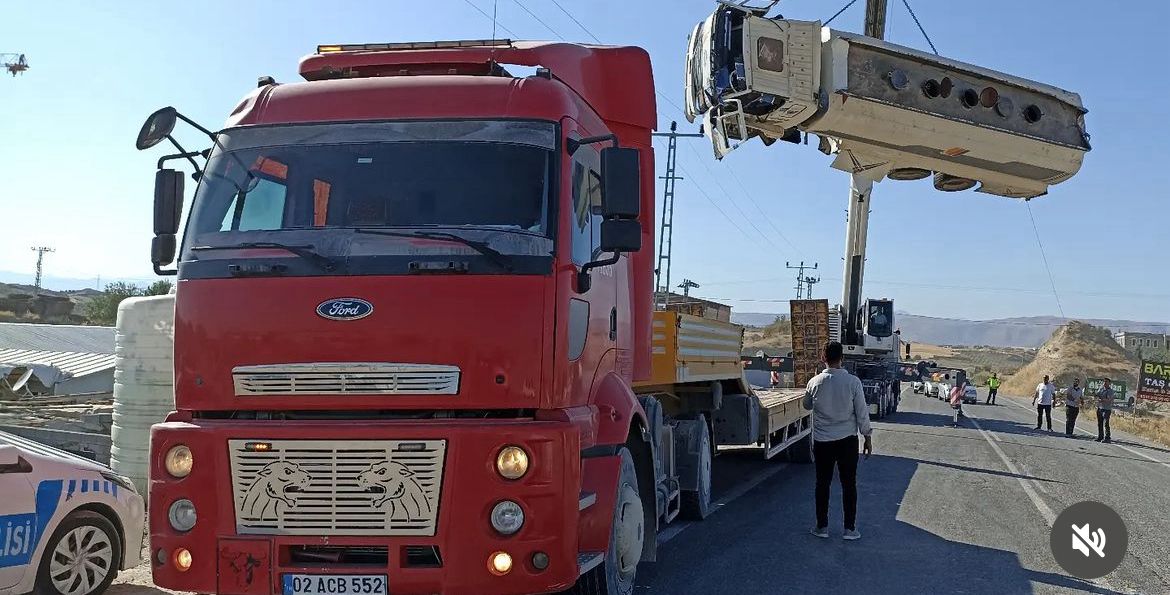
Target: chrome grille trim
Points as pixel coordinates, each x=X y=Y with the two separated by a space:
x=323 y=487
x=346 y=378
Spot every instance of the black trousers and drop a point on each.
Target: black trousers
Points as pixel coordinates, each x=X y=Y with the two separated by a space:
x=1044 y=411
x=841 y=454
x=1103 y=423
x=1070 y=417
x=991 y=395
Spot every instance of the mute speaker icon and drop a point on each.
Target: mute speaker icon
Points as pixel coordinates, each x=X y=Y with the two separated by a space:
x=1084 y=540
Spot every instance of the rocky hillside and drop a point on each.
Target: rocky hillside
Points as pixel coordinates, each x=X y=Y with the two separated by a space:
x=1075 y=350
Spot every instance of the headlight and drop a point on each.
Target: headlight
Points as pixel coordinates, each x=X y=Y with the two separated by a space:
x=512 y=462
x=179 y=461
x=182 y=515
x=507 y=517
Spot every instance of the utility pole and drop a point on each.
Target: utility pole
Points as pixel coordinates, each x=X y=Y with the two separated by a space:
x=686 y=286
x=808 y=283
x=801 y=280
x=666 y=228
x=40 y=250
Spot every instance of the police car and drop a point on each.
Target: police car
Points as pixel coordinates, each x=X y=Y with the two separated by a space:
x=67 y=524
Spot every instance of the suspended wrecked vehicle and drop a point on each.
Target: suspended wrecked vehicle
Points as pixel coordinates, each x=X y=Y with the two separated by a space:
x=882 y=109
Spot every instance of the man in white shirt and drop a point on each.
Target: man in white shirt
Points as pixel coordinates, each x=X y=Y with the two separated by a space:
x=1045 y=391
x=837 y=401
x=1074 y=397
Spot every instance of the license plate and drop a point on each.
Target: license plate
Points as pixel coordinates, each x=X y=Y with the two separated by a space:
x=335 y=584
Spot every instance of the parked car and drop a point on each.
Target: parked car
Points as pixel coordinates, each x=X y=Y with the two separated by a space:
x=929 y=388
x=971 y=395
x=70 y=524
x=917 y=386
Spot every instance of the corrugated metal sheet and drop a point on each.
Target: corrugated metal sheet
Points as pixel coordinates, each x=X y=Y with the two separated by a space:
x=71 y=363
x=57 y=337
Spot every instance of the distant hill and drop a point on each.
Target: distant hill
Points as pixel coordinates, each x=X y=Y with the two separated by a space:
x=1028 y=332
x=1075 y=350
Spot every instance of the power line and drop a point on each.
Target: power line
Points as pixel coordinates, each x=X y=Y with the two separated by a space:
x=538 y=19
x=916 y=22
x=838 y=13
x=491 y=18
x=574 y=19
x=1044 y=257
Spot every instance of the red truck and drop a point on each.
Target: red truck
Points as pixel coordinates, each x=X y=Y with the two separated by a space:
x=413 y=333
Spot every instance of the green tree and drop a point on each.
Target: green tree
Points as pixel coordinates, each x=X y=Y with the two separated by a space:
x=103 y=309
x=160 y=287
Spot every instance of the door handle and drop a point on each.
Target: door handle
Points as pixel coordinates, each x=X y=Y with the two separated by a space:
x=613 y=324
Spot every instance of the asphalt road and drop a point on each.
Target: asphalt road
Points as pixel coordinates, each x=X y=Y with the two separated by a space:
x=942 y=510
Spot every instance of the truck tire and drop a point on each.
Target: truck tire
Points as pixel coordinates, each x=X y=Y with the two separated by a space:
x=695 y=504
x=92 y=537
x=802 y=451
x=615 y=575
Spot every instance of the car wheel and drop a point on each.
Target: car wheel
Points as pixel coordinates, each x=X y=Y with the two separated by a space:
x=82 y=557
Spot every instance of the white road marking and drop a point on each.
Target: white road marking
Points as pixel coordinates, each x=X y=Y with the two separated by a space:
x=673 y=530
x=1045 y=511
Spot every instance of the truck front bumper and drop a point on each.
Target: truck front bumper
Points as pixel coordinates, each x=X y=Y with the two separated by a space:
x=451 y=556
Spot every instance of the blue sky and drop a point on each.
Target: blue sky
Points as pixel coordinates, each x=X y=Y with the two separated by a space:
x=70 y=177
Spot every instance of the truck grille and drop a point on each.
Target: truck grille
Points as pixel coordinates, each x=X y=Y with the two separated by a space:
x=346 y=379
x=314 y=487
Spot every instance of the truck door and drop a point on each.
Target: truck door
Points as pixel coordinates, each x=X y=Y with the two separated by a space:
x=593 y=316
x=783 y=58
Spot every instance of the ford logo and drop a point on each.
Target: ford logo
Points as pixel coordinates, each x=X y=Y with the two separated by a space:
x=344 y=309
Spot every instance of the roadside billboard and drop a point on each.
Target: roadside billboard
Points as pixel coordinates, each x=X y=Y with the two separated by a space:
x=1154 y=381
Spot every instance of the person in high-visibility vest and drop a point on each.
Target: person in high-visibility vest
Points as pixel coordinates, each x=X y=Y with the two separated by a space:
x=992 y=388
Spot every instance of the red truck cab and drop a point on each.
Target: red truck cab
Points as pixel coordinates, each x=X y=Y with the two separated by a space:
x=414 y=292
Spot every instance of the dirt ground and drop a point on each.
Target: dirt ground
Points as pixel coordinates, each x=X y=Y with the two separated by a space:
x=136 y=581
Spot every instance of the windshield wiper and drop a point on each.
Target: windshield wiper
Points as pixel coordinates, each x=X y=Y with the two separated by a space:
x=500 y=259
x=304 y=251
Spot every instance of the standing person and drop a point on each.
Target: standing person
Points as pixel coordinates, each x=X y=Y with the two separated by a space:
x=1074 y=398
x=992 y=388
x=837 y=401
x=1104 y=411
x=775 y=378
x=957 y=400
x=1043 y=402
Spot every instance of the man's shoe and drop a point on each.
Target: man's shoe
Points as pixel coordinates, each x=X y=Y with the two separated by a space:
x=822 y=532
x=1098 y=439
x=851 y=535
x=1107 y=441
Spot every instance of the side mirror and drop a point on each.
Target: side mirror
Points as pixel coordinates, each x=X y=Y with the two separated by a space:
x=168 y=201
x=157 y=127
x=621 y=235
x=621 y=194
x=162 y=250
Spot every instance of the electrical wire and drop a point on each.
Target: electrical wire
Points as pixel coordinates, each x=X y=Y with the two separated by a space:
x=1044 y=257
x=920 y=28
x=489 y=17
x=538 y=19
x=574 y=19
x=838 y=13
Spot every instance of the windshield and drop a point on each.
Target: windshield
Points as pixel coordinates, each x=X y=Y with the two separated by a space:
x=320 y=185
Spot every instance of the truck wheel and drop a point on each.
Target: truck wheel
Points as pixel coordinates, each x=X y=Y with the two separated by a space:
x=82 y=557
x=696 y=505
x=802 y=450
x=615 y=575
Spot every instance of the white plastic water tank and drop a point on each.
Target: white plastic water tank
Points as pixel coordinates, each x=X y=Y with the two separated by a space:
x=144 y=381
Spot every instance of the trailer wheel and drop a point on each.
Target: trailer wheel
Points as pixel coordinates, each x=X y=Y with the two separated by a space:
x=695 y=504
x=615 y=575
x=802 y=450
